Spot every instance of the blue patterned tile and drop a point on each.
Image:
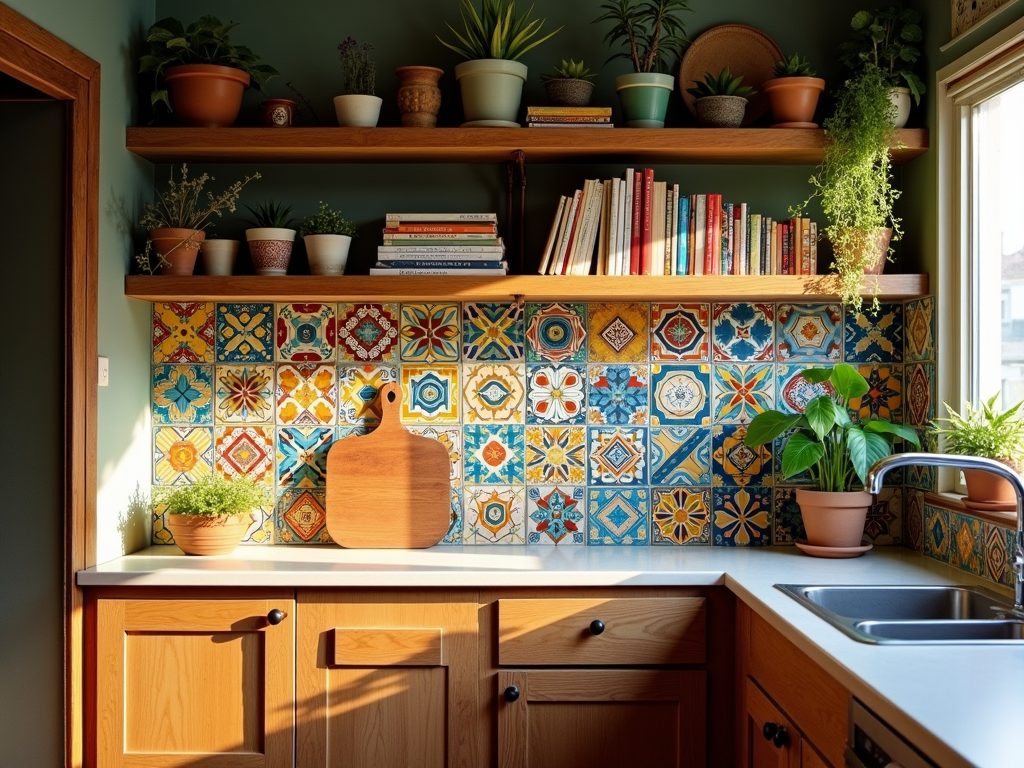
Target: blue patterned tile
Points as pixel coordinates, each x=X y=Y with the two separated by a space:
x=787 y=523
x=742 y=390
x=556 y=515
x=919 y=329
x=736 y=463
x=245 y=333
x=556 y=455
x=680 y=516
x=493 y=453
x=937 y=533
x=617 y=394
x=556 y=333
x=809 y=332
x=742 y=517
x=617 y=516
x=743 y=332
x=555 y=394
x=680 y=394
x=430 y=394
x=492 y=332
x=495 y=514
x=874 y=336
x=680 y=456
x=302 y=456
x=182 y=394
x=617 y=456
x=679 y=332
x=456 y=523
x=306 y=333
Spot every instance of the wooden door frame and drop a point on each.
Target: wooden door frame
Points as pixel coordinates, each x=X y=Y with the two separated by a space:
x=37 y=58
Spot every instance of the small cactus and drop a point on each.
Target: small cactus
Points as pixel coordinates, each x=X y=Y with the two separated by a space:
x=571 y=70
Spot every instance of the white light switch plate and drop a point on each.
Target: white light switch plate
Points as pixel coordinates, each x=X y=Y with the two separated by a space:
x=104 y=372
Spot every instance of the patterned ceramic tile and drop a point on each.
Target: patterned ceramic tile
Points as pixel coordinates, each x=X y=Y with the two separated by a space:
x=457 y=520
x=431 y=333
x=368 y=333
x=182 y=454
x=919 y=329
x=679 y=332
x=742 y=517
x=617 y=456
x=556 y=455
x=306 y=333
x=300 y=517
x=809 y=332
x=307 y=394
x=884 y=525
x=997 y=548
x=743 y=332
x=244 y=394
x=161 y=533
x=556 y=515
x=875 y=336
x=492 y=332
x=451 y=439
x=302 y=456
x=183 y=394
x=262 y=529
x=617 y=394
x=680 y=456
x=618 y=516
x=617 y=332
x=495 y=514
x=556 y=333
x=913 y=518
x=920 y=394
x=787 y=524
x=680 y=515
x=245 y=451
x=183 y=332
x=494 y=453
x=493 y=392
x=245 y=333
x=555 y=394
x=794 y=392
x=430 y=394
x=742 y=390
x=358 y=386
x=965 y=550
x=937 y=533
x=884 y=399
x=680 y=394
x=736 y=463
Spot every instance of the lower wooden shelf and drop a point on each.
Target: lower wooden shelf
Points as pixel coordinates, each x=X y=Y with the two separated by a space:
x=514 y=287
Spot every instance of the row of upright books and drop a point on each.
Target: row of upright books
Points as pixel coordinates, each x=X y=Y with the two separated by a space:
x=443 y=244
x=569 y=117
x=638 y=226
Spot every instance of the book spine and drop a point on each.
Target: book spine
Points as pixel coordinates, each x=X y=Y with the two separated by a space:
x=588 y=253
x=443 y=229
x=602 y=237
x=462 y=251
x=570 y=111
x=784 y=237
x=682 y=251
x=755 y=244
x=700 y=224
x=468 y=238
x=776 y=258
x=399 y=218
x=570 y=222
x=553 y=267
x=805 y=245
x=814 y=247
x=659 y=199
x=411 y=271
x=672 y=252
x=577 y=255
x=691 y=237
x=549 y=246
x=581 y=217
x=627 y=221
x=710 y=252
x=638 y=206
x=414 y=256
x=728 y=235
x=614 y=225
x=567 y=119
x=646 y=221
x=441 y=263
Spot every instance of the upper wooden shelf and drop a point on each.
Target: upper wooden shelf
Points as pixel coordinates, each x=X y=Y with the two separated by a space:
x=770 y=146
x=528 y=287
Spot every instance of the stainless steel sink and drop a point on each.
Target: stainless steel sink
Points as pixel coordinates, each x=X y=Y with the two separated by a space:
x=913 y=614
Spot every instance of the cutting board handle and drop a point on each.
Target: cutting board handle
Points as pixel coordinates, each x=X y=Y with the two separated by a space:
x=390 y=406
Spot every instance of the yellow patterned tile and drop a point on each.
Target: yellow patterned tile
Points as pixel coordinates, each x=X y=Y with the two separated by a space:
x=617 y=332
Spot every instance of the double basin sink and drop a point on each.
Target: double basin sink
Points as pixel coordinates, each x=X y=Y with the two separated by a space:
x=913 y=614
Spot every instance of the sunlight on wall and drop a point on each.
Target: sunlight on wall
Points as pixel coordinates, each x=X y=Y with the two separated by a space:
x=122 y=493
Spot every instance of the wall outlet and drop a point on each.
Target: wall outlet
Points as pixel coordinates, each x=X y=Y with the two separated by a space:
x=104 y=372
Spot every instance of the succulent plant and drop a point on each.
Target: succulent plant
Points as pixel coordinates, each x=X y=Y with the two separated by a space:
x=571 y=70
x=723 y=85
x=794 y=66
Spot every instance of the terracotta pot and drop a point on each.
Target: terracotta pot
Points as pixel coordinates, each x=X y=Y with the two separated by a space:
x=834 y=519
x=720 y=111
x=278 y=113
x=568 y=92
x=169 y=242
x=875 y=264
x=419 y=98
x=208 y=534
x=988 y=491
x=206 y=95
x=271 y=249
x=793 y=100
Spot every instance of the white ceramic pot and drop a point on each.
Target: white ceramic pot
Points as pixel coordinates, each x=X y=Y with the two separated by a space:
x=491 y=91
x=271 y=249
x=327 y=254
x=218 y=256
x=901 y=98
x=355 y=110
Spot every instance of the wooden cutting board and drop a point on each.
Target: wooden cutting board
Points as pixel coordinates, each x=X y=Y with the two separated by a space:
x=389 y=489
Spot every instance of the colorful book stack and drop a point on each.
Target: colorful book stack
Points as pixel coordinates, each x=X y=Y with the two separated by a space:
x=569 y=117
x=444 y=244
x=638 y=226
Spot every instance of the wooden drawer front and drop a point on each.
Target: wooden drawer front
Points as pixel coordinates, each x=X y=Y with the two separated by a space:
x=556 y=632
x=380 y=647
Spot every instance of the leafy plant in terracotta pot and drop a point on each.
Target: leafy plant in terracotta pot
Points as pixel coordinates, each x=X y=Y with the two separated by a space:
x=793 y=93
x=210 y=516
x=491 y=79
x=835 y=450
x=653 y=35
x=199 y=74
x=571 y=84
x=720 y=102
x=270 y=238
x=357 y=106
x=328 y=236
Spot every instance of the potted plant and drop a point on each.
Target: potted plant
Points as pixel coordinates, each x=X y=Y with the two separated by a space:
x=327 y=236
x=218 y=256
x=177 y=220
x=991 y=434
x=491 y=79
x=357 y=106
x=199 y=74
x=835 y=450
x=651 y=31
x=571 y=85
x=270 y=238
x=793 y=93
x=720 y=102
x=886 y=38
x=210 y=516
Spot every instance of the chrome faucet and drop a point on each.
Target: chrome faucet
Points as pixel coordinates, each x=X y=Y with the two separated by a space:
x=880 y=468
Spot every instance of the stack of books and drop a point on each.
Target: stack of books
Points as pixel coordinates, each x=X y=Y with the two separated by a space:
x=569 y=117
x=638 y=226
x=445 y=244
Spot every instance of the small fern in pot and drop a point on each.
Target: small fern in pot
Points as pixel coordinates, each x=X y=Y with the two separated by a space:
x=210 y=516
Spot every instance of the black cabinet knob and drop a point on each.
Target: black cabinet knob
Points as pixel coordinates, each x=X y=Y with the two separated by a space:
x=781 y=737
x=511 y=694
x=769 y=730
x=596 y=627
x=275 y=617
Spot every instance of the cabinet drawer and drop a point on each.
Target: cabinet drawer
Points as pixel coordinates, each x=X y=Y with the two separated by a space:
x=617 y=631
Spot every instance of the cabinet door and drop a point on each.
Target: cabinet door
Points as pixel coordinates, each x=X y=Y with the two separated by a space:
x=190 y=682
x=772 y=741
x=809 y=757
x=388 y=681
x=596 y=718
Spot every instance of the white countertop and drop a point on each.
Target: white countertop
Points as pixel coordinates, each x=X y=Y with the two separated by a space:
x=961 y=705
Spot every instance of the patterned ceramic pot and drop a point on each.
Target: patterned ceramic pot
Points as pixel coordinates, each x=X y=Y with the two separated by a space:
x=271 y=249
x=179 y=248
x=720 y=111
x=278 y=113
x=208 y=534
x=419 y=98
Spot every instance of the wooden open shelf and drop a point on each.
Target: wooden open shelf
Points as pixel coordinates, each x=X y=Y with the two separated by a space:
x=528 y=287
x=770 y=146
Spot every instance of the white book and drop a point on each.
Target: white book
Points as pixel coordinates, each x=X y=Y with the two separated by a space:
x=614 y=222
x=440 y=272
x=563 y=246
x=602 y=237
x=582 y=215
x=744 y=250
x=621 y=255
x=447 y=251
x=586 y=255
x=658 y=228
x=627 y=223
x=549 y=247
x=485 y=218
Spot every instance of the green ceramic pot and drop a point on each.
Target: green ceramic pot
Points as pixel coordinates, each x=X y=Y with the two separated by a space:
x=644 y=98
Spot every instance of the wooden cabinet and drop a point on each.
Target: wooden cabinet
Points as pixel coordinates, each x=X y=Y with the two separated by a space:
x=772 y=739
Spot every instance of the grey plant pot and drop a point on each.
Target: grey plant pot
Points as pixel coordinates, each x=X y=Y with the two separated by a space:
x=720 y=111
x=568 y=92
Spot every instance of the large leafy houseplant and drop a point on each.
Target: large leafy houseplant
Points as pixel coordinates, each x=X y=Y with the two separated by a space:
x=887 y=38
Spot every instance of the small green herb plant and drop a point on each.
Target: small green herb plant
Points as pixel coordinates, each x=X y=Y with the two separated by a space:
x=358 y=72
x=794 y=66
x=184 y=206
x=326 y=222
x=986 y=432
x=271 y=214
x=212 y=496
x=723 y=85
x=570 y=70
x=887 y=38
x=825 y=441
x=650 y=30
x=496 y=32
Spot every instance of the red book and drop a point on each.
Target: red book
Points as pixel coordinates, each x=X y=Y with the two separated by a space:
x=634 y=247
x=648 y=223
x=444 y=229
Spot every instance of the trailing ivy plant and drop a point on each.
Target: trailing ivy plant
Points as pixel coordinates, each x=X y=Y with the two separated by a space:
x=650 y=30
